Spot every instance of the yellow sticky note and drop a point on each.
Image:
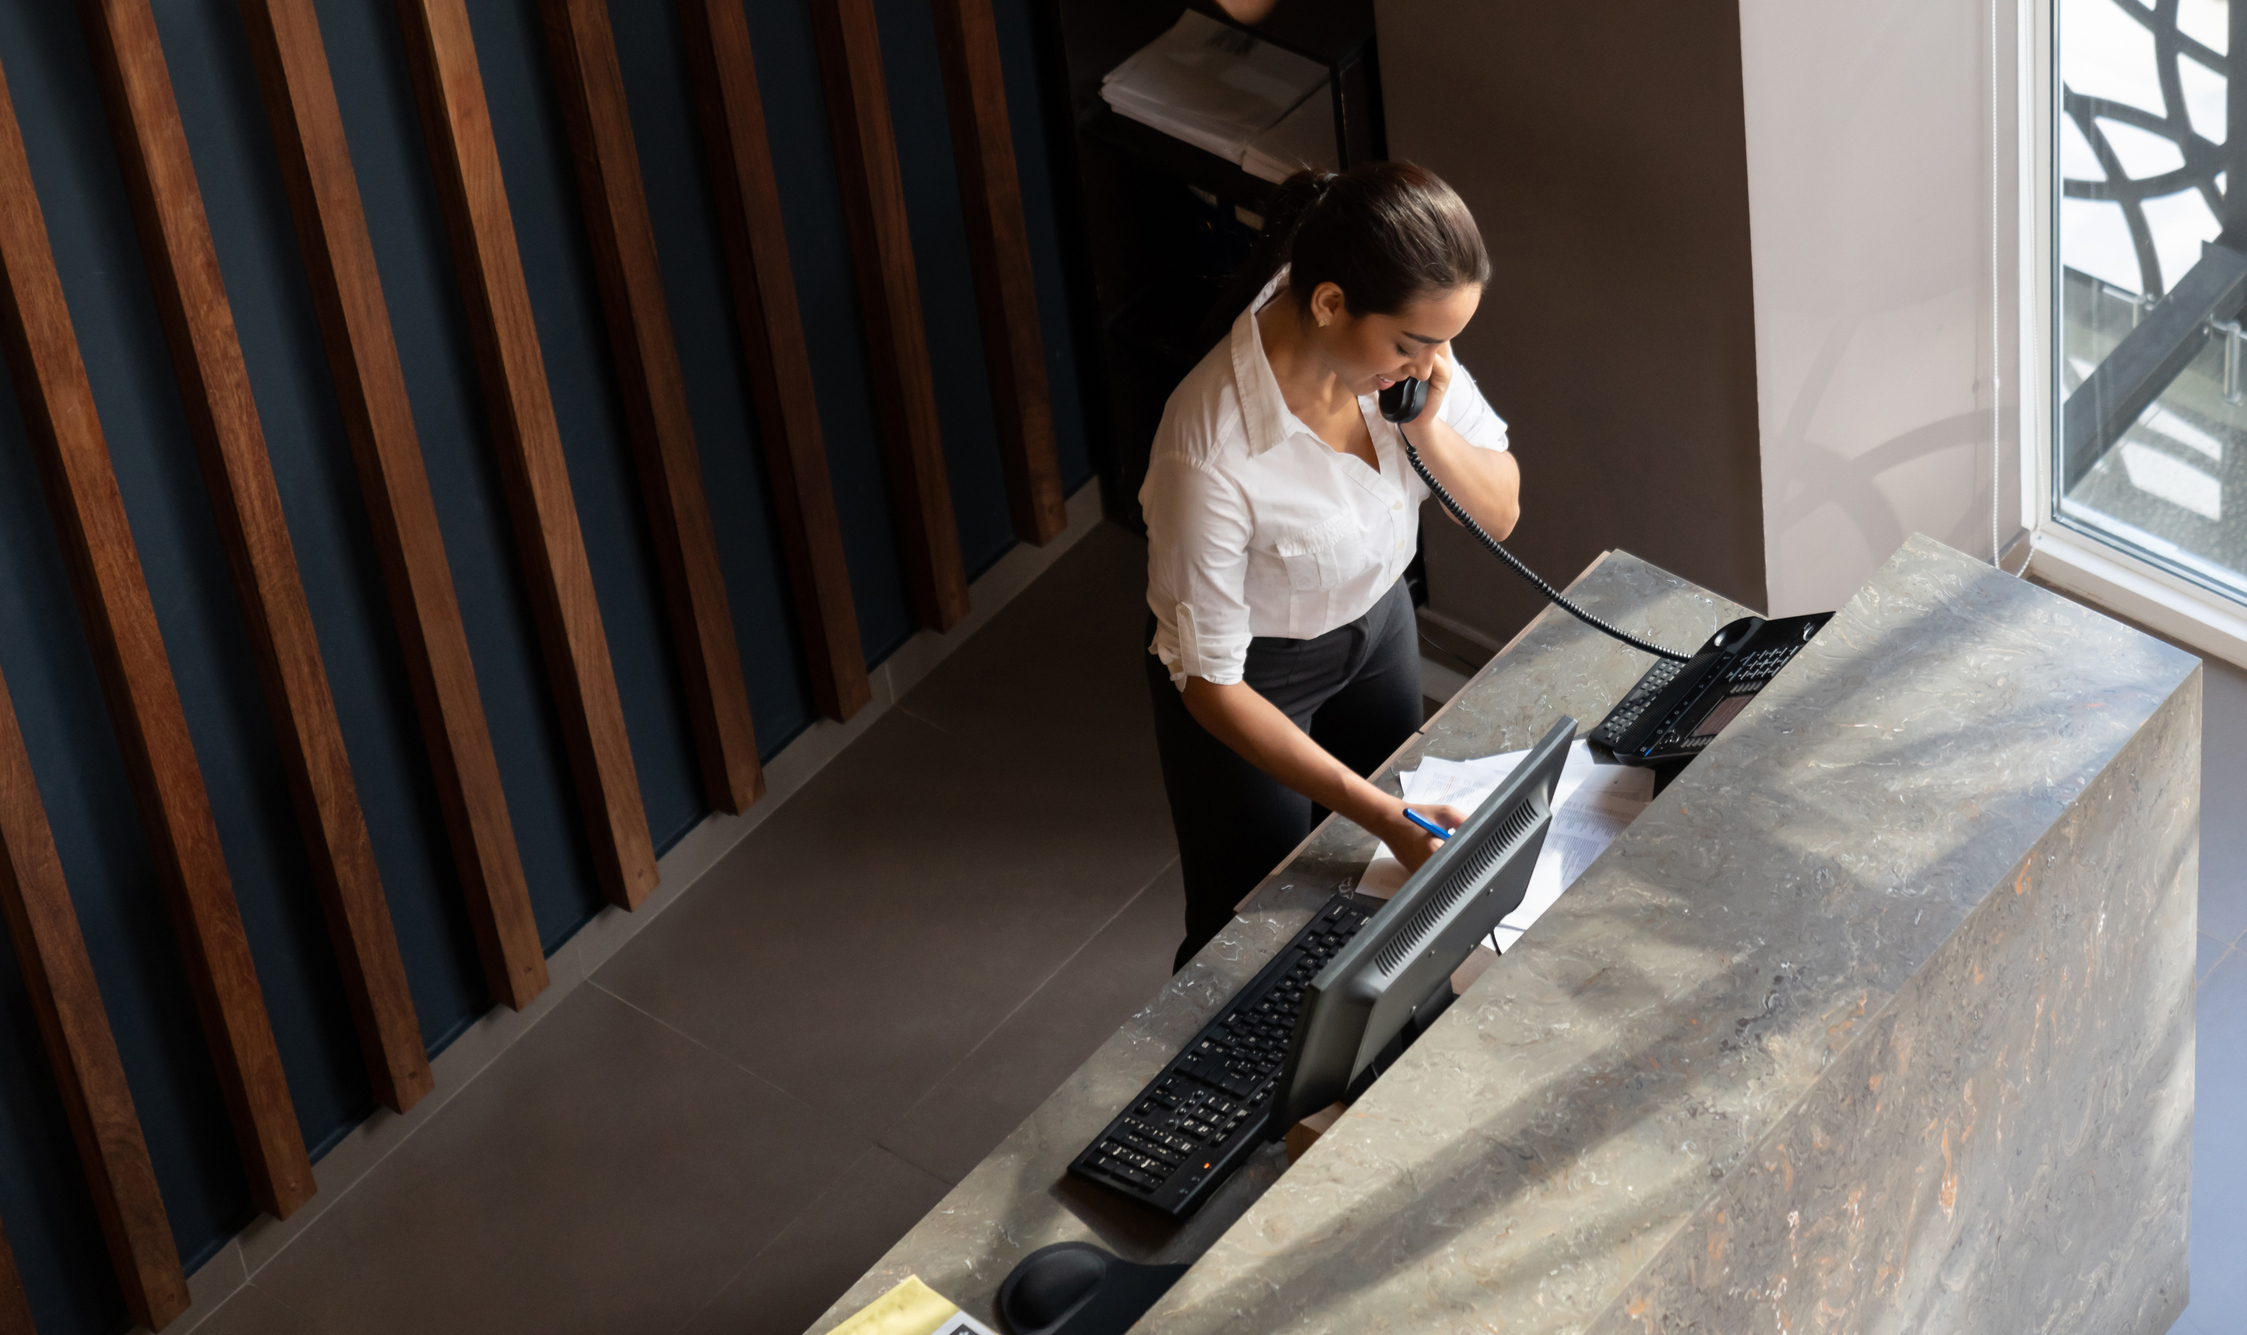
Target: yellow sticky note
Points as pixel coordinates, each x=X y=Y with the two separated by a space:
x=912 y=1308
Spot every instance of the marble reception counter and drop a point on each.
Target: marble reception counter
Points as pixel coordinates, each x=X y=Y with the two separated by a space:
x=1879 y=1019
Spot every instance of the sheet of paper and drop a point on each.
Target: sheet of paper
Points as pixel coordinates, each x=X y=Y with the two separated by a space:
x=1592 y=804
x=912 y=1308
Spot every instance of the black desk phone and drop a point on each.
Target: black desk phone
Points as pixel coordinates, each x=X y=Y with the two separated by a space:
x=1682 y=702
x=1678 y=708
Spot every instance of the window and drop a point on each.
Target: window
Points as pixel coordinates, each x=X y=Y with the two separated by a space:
x=2149 y=373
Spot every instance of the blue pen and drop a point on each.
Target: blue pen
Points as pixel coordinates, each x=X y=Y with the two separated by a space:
x=1424 y=823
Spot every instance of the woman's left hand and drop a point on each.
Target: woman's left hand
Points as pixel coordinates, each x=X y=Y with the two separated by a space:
x=1439 y=380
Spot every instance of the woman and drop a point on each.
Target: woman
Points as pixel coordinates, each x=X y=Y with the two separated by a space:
x=1281 y=513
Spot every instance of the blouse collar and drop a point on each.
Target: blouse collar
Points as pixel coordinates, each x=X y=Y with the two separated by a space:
x=1264 y=411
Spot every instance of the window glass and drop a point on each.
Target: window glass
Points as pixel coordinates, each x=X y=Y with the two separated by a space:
x=2152 y=369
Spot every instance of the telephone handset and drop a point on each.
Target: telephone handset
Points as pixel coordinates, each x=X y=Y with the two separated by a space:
x=1682 y=703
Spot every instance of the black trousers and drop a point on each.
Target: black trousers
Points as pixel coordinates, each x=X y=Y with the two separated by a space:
x=1355 y=690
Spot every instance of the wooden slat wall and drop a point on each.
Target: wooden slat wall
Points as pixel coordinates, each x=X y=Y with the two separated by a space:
x=144 y=704
x=442 y=52
x=739 y=158
x=222 y=417
x=15 y=1305
x=889 y=296
x=59 y=977
x=590 y=88
x=315 y=158
x=1006 y=290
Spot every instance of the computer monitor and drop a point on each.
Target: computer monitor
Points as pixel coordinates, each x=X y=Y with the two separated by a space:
x=1394 y=977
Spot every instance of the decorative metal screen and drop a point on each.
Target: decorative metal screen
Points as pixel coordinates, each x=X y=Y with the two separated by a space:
x=2153 y=273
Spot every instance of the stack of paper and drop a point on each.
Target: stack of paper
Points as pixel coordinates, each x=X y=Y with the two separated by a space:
x=1304 y=138
x=1213 y=86
x=1591 y=805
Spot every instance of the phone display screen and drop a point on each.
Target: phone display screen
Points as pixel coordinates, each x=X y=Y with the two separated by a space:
x=1726 y=710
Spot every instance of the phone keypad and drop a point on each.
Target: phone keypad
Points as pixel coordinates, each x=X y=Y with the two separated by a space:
x=1770 y=646
x=1626 y=714
x=1764 y=663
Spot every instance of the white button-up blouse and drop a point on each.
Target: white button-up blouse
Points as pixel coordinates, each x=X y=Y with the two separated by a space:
x=1256 y=526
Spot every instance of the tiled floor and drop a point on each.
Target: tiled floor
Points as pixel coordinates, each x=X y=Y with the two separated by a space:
x=779 y=1076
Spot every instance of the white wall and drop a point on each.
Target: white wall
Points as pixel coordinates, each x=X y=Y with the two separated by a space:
x=1869 y=197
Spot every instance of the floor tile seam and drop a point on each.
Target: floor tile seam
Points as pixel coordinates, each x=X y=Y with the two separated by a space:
x=2201 y=976
x=308 y=1319
x=374 y=1165
x=727 y=1058
x=983 y=740
x=881 y=1140
x=713 y=1049
x=753 y=1257
x=875 y=1136
x=902 y=709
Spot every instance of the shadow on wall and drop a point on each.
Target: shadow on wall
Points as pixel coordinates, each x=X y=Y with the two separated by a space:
x=1829 y=511
x=1871 y=194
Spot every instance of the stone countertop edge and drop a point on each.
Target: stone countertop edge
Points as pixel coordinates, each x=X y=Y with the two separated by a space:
x=1019 y=1199
x=1542 y=1144
x=1669 y=1009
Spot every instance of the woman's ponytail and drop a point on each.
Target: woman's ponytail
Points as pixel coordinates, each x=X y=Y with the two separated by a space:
x=1386 y=233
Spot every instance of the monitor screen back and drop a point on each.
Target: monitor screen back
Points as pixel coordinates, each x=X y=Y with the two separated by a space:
x=1367 y=993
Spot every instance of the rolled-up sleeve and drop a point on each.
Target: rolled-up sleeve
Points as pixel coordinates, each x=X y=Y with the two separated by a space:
x=1198 y=527
x=1468 y=413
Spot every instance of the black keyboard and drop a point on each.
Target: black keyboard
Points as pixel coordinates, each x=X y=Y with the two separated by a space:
x=1211 y=1106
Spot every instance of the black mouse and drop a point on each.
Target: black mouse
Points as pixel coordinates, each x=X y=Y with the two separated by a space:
x=1075 y=1288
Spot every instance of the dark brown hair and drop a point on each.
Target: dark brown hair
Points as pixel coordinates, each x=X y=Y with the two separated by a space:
x=1386 y=233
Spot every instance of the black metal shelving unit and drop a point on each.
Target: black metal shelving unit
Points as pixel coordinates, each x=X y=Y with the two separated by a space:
x=1156 y=226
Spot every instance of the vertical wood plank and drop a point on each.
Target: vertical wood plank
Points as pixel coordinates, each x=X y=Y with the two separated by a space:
x=590 y=87
x=74 y=1025
x=998 y=243
x=739 y=161
x=315 y=159
x=15 y=1304
x=214 y=383
x=442 y=51
x=889 y=298
x=136 y=677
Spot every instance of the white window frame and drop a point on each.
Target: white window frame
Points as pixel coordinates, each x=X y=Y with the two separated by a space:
x=2075 y=562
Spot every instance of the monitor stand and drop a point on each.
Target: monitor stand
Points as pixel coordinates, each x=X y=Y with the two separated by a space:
x=1424 y=1014
x=1300 y=1136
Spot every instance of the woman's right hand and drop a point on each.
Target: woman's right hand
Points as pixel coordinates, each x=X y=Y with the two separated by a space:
x=1259 y=733
x=1413 y=845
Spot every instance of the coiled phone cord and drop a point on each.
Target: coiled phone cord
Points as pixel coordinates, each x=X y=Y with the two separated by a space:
x=1552 y=594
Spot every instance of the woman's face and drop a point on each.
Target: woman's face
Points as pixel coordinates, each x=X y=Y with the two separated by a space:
x=1372 y=352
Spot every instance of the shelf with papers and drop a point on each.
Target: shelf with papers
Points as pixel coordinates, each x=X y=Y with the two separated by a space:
x=1166 y=208
x=1197 y=167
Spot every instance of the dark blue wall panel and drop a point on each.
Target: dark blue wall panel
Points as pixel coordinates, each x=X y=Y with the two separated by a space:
x=43 y=649
x=803 y=157
x=963 y=393
x=1034 y=163
x=696 y=287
